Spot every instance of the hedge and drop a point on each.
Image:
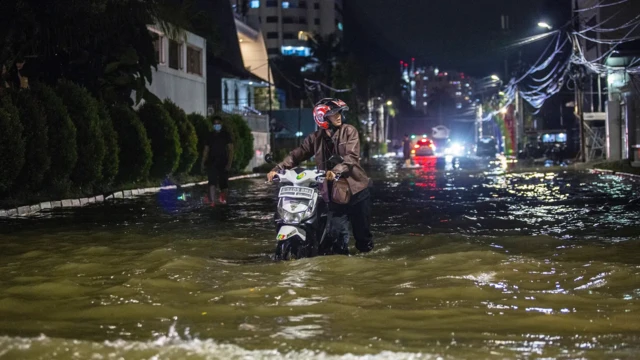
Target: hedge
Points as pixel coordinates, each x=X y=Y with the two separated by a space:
x=133 y=144
x=188 y=137
x=165 y=141
x=242 y=143
x=83 y=111
x=12 y=144
x=62 y=137
x=202 y=126
x=111 y=160
x=36 y=156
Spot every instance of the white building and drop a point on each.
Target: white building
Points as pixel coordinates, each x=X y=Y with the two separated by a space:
x=181 y=75
x=287 y=24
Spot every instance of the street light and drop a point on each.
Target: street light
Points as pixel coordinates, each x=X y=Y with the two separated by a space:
x=389 y=102
x=545 y=25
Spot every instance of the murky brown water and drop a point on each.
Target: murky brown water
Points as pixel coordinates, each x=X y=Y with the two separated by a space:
x=467 y=266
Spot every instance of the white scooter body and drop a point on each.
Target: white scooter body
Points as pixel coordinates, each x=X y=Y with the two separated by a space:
x=297 y=201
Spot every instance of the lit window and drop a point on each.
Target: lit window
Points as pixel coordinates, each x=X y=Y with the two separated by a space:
x=158 y=45
x=285 y=4
x=255 y=4
x=340 y=27
x=296 y=51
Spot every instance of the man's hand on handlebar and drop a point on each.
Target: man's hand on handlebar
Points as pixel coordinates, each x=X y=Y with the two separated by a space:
x=270 y=175
x=330 y=175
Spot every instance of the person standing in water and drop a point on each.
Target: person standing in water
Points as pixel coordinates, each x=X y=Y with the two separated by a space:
x=217 y=157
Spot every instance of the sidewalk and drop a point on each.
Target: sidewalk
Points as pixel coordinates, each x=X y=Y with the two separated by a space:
x=30 y=210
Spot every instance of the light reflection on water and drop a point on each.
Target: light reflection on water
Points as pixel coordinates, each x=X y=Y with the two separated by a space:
x=467 y=265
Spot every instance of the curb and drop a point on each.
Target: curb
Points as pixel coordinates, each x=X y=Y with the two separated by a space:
x=30 y=210
x=611 y=172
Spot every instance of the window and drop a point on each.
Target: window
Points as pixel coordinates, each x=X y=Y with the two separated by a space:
x=316 y=6
x=249 y=96
x=285 y=4
x=302 y=20
x=226 y=93
x=302 y=4
x=316 y=21
x=272 y=3
x=175 y=55
x=273 y=51
x=289 y=36
x=296 y=51
x=254 y=4
x=287 y=20
x=194 y=60
x=272 y=19
x=158 y=45
x=236 y=95
x=272 y=35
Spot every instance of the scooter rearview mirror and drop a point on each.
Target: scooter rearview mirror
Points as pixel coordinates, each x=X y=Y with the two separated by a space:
x=269 y=158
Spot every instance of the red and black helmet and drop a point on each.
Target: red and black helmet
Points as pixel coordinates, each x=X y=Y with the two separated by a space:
x=327 y=107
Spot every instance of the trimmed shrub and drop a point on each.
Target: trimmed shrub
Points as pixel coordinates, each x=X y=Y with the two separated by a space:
x=37 y=159
x=242 y=143
x=111 y=160
x=133 y=143
x=62 y=137
x=165 y=141
x=202 y=126
x=12 y=144
x=188 y=137
x=83 y=111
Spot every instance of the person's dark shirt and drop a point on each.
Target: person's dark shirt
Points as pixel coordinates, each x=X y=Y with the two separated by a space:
x=218 y=143
x=406 y=146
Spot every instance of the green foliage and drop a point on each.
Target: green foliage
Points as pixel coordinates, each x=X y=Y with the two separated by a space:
x=12 y=144
x=102 y=44
x=202 y=126
x=133 y=143
x=83 y=111
x=242 y=141
x=62 y=137
x=34 y=122
x=111 y=161
x=165 y=141
x=188 y=137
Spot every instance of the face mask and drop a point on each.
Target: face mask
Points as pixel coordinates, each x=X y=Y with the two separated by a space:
x=217 y=127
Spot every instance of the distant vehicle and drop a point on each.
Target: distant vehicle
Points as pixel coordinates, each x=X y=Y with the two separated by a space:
x=487 y=147
x=424 y=147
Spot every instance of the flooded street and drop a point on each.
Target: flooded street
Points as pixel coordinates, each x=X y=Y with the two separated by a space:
x=467 y=265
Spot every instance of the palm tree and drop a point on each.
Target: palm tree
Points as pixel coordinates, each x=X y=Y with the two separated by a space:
x=325 y=51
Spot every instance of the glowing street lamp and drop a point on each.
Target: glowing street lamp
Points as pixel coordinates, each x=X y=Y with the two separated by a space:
x=389 y=102
x=545 y=25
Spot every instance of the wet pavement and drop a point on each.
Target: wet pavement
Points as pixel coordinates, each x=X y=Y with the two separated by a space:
x=470 y=263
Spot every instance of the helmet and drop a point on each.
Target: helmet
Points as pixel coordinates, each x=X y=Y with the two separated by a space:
x=327 y=107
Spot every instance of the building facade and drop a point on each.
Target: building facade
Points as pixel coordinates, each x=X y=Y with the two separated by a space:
x=181 y=75
x=288 y=24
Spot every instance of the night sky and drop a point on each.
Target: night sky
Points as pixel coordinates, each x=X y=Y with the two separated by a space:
x=463 y=35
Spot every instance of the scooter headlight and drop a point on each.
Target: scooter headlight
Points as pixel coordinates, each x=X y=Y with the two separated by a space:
x=294 y=211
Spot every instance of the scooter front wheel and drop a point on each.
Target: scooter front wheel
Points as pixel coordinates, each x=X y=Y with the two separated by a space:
x=283 y=250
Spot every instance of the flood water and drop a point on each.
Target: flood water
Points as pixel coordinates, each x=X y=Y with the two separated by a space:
x=467 y=265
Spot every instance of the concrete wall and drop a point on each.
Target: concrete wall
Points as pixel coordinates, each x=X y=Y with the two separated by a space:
x=187 y=90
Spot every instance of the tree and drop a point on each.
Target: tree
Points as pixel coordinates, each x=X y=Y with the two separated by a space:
x=188 y=137
x=12 y=144
x=37 y=158
x=325 y=51
x=133 y=142
x=165 y=141
x=83 y=111
x=104 y=45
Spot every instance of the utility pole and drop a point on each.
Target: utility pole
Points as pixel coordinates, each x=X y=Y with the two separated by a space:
x=272 y=135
